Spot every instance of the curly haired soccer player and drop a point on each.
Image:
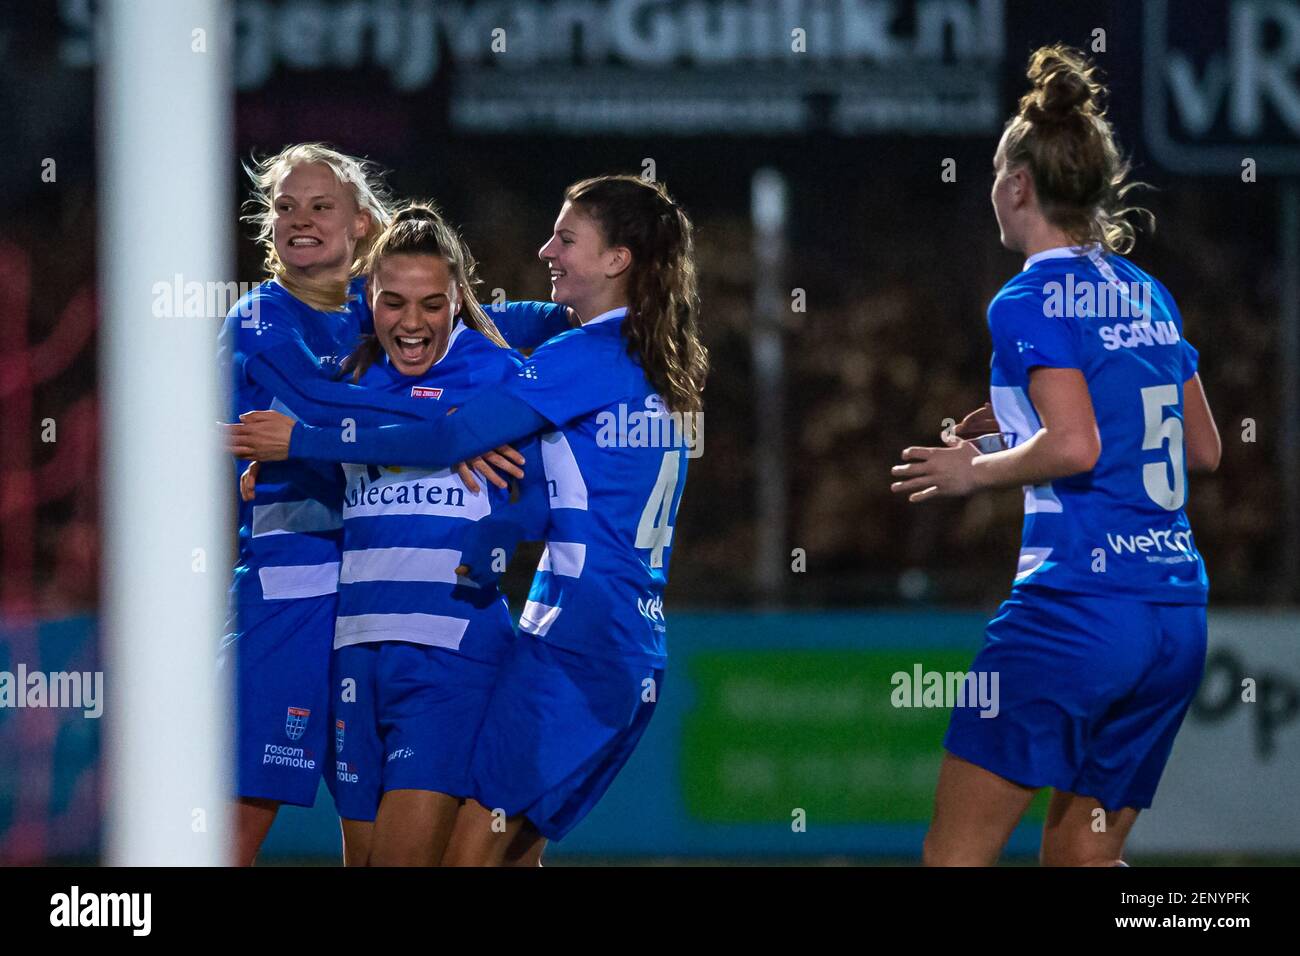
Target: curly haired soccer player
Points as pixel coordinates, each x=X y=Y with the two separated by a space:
x=1101 y=645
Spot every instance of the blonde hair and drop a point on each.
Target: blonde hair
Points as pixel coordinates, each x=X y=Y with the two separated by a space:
x=363 y=180
x=419 y=229
x=1060 y=133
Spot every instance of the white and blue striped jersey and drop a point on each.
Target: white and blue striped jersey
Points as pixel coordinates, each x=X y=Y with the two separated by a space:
x=1119 y=530
x=405 y=530
x=289 y=537
x=615 y=470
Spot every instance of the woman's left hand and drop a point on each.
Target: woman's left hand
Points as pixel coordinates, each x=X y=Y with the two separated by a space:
x=936 y=472
x=261 y=436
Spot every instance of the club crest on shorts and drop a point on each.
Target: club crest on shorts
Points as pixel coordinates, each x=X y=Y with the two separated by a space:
x=338 y=736
x=425 y=391
x=295 y=724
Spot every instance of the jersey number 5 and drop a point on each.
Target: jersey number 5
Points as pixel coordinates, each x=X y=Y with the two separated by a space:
x=653 y=530
x=1157 y=431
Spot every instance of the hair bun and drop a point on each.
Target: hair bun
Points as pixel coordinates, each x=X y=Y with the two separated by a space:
x=1063 y=86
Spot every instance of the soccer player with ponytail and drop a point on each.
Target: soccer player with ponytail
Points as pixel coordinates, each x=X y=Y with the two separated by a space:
x=417 y=645
x=580 y=687
x=1101 y=646
x=317 y=211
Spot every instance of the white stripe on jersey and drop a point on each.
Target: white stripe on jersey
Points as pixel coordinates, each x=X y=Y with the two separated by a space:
x=561 y=467
x=409 y=492
x=295 y=517
x=538 y=618
x=1015 y=413
x=1059 y=252
x=432 y=630
x=437 y=565
x=299 y=580
x=564 y=557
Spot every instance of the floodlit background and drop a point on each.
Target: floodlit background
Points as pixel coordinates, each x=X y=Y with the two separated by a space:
x=799 y=584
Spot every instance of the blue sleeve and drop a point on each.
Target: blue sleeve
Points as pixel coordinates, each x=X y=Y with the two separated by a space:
x=569 y=377
x=483 y=423
x=526 y=325
x=291 y=373
x=1024 y=337
x=251 y=326
x=269 y=326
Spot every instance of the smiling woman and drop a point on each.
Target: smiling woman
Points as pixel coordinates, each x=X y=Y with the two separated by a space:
x=317 y=212
x=421 y=278
x=319 y=215
x=420 y=642
x=578 y=691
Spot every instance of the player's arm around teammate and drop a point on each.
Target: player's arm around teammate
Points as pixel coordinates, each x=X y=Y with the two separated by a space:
x=578 y=691
x=317 y=212
x=1097 y=669
x=417 y=646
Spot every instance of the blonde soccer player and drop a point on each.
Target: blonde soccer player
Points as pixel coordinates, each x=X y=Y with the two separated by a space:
x=1100 y=647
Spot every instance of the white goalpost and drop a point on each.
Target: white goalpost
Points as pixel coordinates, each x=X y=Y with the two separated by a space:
x=164 y=143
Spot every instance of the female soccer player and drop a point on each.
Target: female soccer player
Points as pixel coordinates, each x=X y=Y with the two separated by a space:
x=418 y=647
x=1101 y=646
x=577 y=692
x=317 y=211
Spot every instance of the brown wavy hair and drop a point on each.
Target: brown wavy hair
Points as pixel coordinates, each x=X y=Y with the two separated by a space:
x=662 y=324
x=419 y=229
x=1060 y=133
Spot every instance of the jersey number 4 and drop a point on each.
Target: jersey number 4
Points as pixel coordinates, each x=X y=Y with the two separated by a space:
x=1156 y=431
x=653 y=530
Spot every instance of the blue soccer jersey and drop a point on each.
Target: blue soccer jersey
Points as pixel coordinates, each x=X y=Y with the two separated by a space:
x=406 y=529
x=289 y=538
x=615 y=468
x=1119 y=530
x=275 y=348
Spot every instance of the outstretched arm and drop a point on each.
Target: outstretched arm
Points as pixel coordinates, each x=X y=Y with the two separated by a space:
x=291 y=373
x=526 y=325
x=481 y=424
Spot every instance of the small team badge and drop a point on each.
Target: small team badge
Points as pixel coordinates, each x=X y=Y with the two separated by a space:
x=296 y=722
x=425 y=391
x=338 y=736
